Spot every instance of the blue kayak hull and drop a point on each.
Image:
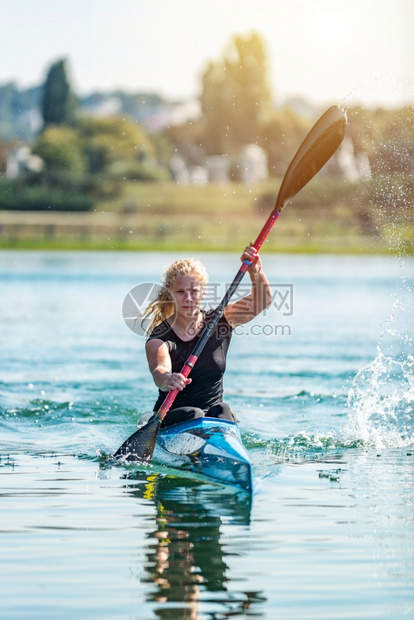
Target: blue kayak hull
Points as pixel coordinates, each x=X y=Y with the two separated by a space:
x=206 y=446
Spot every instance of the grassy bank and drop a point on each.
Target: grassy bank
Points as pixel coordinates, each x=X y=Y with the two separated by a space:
x=325 y=217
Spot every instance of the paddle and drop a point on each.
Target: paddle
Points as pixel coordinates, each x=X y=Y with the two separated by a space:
x=316 y=149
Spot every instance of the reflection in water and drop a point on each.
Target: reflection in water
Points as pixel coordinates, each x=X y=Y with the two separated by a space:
x=186 y=555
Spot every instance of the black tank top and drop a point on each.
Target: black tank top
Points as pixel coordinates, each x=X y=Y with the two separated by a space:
x=206 y=388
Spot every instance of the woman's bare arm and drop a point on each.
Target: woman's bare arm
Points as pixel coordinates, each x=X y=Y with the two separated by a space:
x=159 y=362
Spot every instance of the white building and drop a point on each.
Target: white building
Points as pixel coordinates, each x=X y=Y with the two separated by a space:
x=251 y=163
x=21 y=160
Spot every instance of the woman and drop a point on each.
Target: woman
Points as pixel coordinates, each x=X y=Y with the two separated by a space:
x=176 y=322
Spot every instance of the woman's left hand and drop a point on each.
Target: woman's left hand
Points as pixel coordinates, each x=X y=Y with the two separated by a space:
x=245 y=309
x=250 y=253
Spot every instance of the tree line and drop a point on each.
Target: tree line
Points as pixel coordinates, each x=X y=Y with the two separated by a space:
x=85 y=157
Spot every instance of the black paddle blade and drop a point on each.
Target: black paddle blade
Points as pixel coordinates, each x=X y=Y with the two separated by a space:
x=316 y=149
x=140 y=446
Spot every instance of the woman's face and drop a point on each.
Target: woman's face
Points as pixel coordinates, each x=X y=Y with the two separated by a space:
x=188 y=293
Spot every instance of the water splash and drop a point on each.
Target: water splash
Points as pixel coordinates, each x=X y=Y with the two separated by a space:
x=381 y=400
x=304 y=447
x=381 y=403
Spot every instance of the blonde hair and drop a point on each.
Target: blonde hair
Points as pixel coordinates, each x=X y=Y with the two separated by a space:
x=163 y=306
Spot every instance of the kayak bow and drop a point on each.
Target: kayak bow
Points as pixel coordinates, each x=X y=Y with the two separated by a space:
x=207 y=446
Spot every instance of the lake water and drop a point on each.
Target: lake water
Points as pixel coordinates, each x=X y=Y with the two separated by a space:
x=323 y=386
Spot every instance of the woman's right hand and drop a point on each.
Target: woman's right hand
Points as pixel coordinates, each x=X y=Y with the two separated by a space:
x=176 y=381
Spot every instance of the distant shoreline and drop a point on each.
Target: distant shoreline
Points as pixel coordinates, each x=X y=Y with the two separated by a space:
x=328 y=217
x=283 y=247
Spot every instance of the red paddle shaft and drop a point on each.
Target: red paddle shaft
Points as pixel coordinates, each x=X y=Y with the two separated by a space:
x=191 y=360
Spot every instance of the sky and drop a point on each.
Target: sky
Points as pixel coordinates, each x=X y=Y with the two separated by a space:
x=327 y=51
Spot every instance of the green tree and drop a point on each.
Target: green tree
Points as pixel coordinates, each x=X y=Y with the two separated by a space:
x=60 y=149
x=120 y=148
x=236 y=98
x=58 y=101
x=109 y=140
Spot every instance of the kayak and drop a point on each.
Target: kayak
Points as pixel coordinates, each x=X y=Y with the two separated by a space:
x=207 y=446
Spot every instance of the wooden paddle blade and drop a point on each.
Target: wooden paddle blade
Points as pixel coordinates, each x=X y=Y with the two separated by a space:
x=140 y=446
x=316 y=149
